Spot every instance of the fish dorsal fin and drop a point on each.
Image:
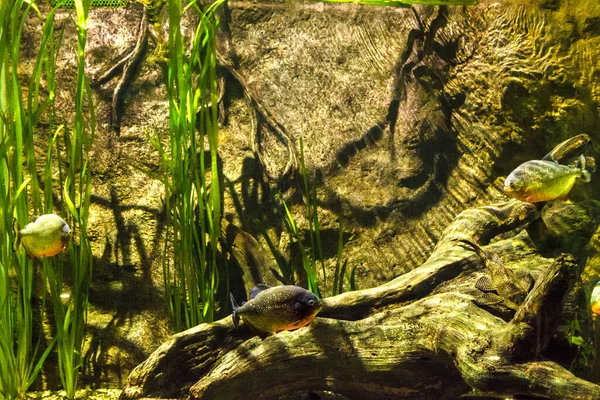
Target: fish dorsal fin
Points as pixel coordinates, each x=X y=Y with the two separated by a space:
x=549 y=157
x=257 y=289
x=485 y=284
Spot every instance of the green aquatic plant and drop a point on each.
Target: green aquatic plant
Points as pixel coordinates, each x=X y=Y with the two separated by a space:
x=312 y=214
x=585 y=350
x=341 y=274
x=20 y=362
x=308 y=264
x=71 y=318
x=314 y=255
x=74 y=187
x=193 y=202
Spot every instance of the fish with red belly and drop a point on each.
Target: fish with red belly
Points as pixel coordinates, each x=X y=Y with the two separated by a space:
x=46 y=236
x=543 y=180
x=275 y=309
x=595 y=299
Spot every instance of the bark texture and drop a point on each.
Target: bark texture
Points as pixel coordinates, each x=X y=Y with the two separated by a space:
x=422 y=335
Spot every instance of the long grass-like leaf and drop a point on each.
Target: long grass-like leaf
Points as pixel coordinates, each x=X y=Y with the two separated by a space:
x=40 y=363
x=192 y=202
x=309 y=269
x=352 y=282
x=21 y=189
x=19 y=363
x=68 y=200
x=70 y=320
x=339 y=276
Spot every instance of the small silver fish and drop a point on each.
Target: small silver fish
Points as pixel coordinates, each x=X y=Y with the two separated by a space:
x=544 y=180
x=275 y=309
x=46 y=236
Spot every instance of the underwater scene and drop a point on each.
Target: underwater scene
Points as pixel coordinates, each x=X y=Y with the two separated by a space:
x=299 y=199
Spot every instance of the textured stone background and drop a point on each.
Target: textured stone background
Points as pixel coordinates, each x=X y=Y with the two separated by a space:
x=473 y=91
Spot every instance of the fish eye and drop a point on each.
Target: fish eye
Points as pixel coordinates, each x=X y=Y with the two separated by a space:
x=311 y=303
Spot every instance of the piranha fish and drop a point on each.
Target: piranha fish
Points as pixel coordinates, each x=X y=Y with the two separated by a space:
x=275 y=309
x=544 y=180
x=510 y=286
x=595 y=299
x=46 y=236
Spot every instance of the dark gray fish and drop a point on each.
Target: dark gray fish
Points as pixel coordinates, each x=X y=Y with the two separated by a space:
x=275 y=309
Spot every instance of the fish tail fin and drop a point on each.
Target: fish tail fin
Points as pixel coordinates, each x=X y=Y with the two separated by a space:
x=16 y=228
x=234 y=316
x=586 y=175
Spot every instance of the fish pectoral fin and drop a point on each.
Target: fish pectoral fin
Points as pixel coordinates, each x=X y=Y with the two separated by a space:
x=530 y=199
x=485 y=284
x=295 y=324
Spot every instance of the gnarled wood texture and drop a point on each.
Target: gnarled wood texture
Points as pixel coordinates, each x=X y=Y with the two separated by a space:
x=422 y=335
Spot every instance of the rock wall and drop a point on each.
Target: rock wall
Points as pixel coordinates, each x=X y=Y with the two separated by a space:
x=408 y=116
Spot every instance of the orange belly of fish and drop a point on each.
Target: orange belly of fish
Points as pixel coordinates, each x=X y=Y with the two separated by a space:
x=596 y=308
x=50 y=251
x=300 y=324
x=533 y=197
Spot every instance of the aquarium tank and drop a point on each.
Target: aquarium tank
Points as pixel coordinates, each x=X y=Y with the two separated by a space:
x=299 y=199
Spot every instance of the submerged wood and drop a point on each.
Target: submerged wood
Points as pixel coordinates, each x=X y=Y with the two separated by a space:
x=421 y=335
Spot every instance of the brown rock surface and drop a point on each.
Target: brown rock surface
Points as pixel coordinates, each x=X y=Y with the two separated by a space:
x=408 y=116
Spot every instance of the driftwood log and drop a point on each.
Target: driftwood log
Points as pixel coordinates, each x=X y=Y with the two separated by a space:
x=427 y=334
